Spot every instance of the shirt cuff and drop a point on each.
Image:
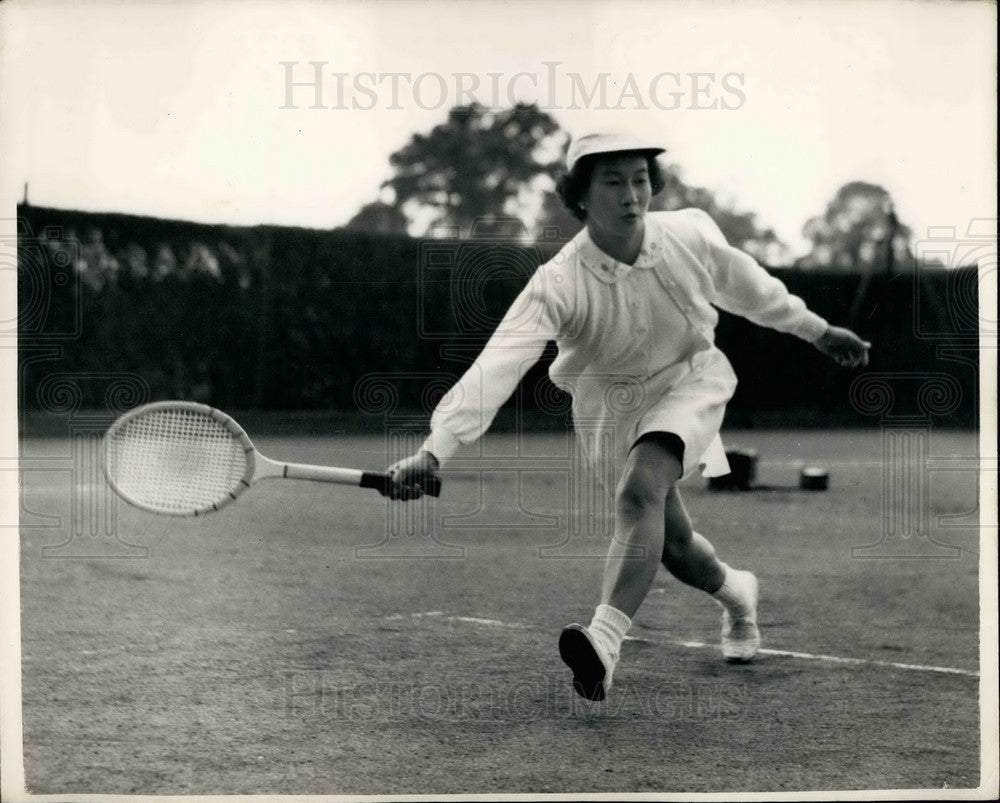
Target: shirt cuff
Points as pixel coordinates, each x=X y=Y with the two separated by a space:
x=442 y=444
x=811 y=328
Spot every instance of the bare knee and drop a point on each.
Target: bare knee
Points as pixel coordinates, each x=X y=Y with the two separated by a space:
x=641 y=493
x=649 y=477
x=636 y=500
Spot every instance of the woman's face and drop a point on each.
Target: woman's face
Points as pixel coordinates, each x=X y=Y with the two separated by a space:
x=618 y=197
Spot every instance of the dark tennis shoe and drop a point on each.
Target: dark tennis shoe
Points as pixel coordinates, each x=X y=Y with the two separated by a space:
x=592 y=665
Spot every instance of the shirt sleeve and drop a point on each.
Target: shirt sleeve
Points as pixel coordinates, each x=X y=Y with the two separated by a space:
x=744 y=288
x=469 y=407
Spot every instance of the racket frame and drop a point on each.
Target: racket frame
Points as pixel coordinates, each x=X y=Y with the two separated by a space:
x=258 y=467
x=250 y=475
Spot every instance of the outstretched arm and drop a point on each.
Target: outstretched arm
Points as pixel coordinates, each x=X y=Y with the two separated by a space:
x=745 y=288
x=467 y=410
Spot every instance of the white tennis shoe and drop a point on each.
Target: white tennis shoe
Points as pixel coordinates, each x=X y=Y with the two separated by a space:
x=592 y=665
x=740 y=635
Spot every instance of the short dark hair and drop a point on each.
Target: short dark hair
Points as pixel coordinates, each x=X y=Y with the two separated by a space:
x=573 y=186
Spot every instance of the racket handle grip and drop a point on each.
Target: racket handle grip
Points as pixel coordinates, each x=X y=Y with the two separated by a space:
x=430 y=485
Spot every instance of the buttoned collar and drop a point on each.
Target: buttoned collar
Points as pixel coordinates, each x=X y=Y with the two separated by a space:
x=610 y=270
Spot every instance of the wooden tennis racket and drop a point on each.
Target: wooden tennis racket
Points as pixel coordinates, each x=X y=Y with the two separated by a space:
x=187 y=459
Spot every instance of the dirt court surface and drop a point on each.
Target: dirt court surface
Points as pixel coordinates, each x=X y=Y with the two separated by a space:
x=313 y=639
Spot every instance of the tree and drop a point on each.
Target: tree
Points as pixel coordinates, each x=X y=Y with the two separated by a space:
x=479 y=166
x=859 y=232
x=379 y=218
x=488 y=167
x=554 y=220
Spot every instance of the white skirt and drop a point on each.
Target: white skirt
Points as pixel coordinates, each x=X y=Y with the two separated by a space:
x=689 y=399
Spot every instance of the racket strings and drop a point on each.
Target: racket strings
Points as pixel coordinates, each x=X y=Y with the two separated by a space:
x=177 y=460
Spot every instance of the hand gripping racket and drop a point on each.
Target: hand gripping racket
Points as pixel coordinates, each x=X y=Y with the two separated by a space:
x=188 y=459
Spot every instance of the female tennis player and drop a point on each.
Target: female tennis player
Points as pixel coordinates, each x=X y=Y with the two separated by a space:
x=629 y=303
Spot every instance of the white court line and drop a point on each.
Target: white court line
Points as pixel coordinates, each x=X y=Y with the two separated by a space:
x=701 y=645
x=833 y=659
x=440 y=615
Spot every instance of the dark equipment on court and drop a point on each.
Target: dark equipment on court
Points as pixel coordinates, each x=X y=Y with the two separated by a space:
x=743 y=475
x=814 y=478
x=742 y=472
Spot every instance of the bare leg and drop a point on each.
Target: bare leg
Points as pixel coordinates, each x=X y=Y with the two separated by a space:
x=640 y=506
x=691 y=558
x=651 y=525
x=687 y=555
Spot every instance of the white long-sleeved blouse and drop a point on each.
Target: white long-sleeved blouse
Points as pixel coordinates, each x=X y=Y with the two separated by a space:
x=640 y=326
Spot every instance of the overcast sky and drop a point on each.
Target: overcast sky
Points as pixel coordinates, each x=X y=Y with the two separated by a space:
x=174 y=109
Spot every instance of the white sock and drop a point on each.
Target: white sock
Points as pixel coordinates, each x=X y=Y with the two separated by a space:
x=609 y=627
x=734 y=595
